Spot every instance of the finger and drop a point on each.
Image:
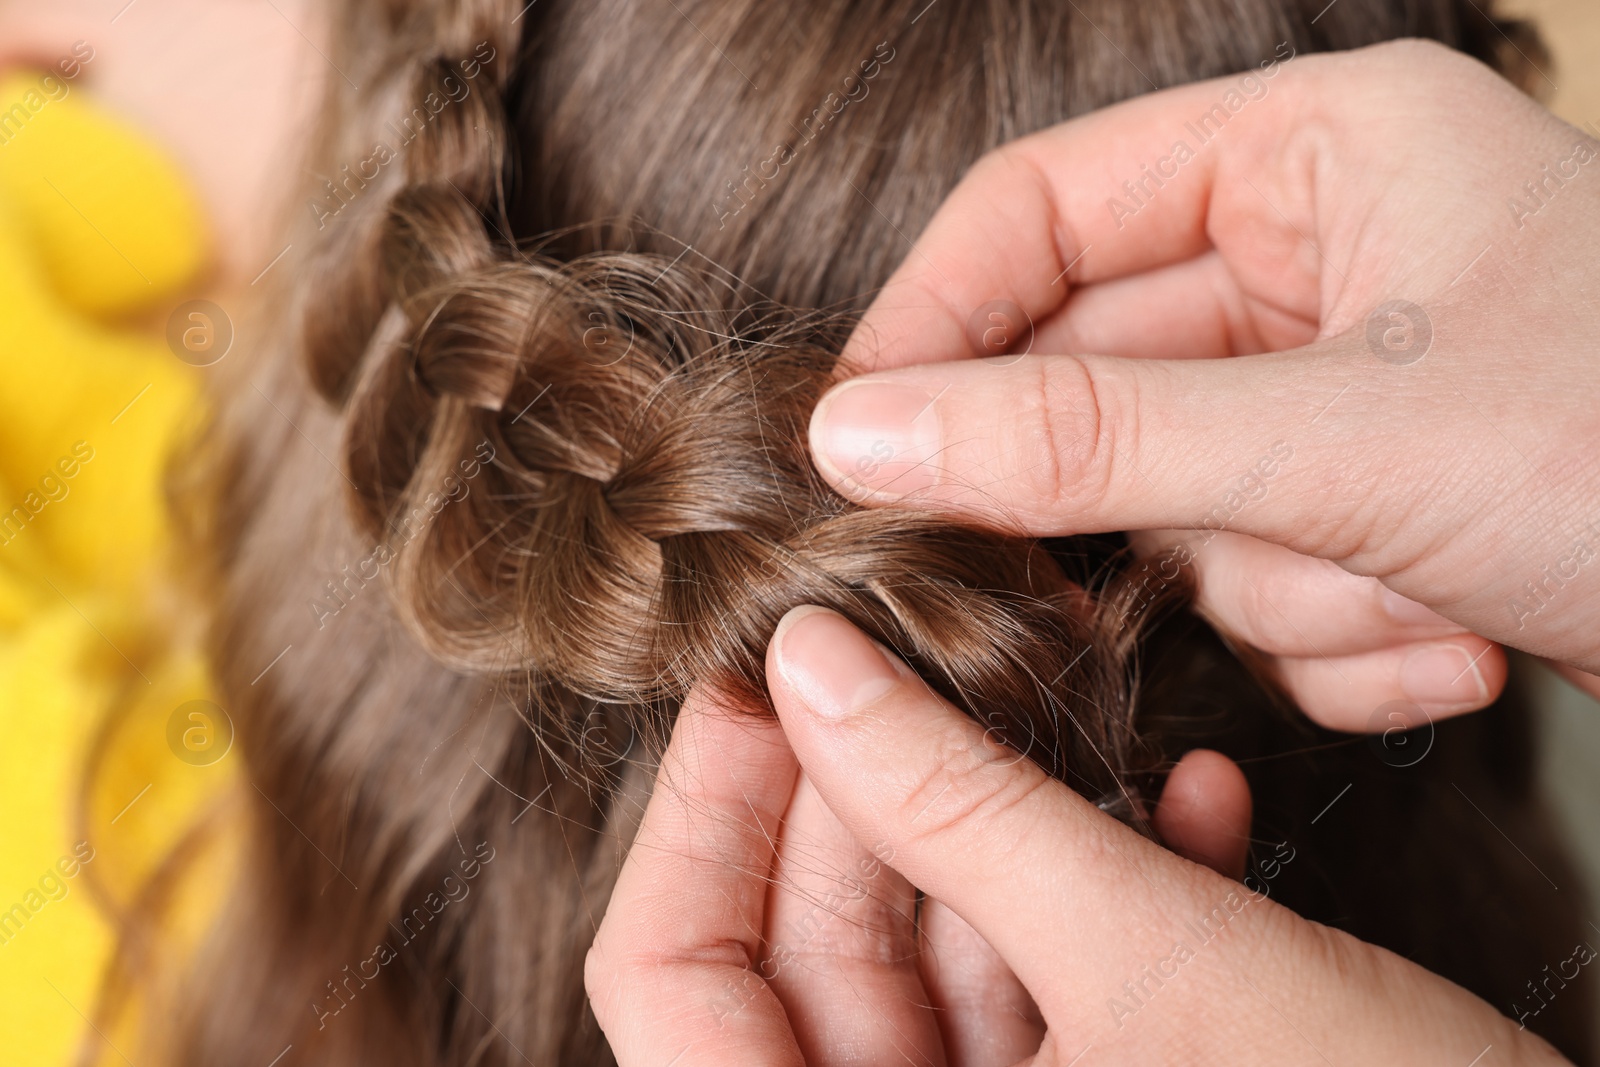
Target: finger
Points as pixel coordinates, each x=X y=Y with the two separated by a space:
x=1027 y=212
x=1056 y=445
x=842 y=946
x=1291 y=189
x=1015 y=853
x=1344 y=644
x=671 y=975
x=1286 y=604
x=1440 y=678
x=1190 y=310
x=1204 y=812
x=1062 y=444
x=987 y=1017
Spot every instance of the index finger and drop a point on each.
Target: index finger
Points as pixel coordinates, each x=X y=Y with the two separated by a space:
x=1074 y=204
x=672 y=975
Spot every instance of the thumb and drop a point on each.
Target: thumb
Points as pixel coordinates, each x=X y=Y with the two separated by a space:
x=1051 y=445
x=1034 y=868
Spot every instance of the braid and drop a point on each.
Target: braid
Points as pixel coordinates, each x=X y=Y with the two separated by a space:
x=593 y=473
x=650 y=512
x=442 y=114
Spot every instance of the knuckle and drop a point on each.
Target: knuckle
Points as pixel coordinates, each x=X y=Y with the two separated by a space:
x=973 y=786
x=1412 y=54
x=600 y=982
x=1320 y=695
x=1408 y=50
x=1042 y=468
x=1068 y=437
x=993 y=164
x=615 y=973
x=1088 y=429
x=877 y=935
x=1261 y=603
x=1018 y=164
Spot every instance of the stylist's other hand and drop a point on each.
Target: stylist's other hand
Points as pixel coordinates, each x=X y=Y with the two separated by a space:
x=1413 y=244
x=1131 y=954
x=750 y=928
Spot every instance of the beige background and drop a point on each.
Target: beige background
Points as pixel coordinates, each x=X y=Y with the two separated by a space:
x=1571 y=30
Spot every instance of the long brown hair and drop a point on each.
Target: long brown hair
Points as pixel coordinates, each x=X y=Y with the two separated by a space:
x=526 y=459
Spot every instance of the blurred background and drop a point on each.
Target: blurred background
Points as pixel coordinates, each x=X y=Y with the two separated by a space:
x=165 y=132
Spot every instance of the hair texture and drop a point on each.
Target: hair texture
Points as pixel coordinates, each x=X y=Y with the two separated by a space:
x=657 y=562
x=527 y=460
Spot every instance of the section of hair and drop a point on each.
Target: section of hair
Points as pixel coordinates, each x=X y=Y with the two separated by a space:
x=646 y=509
x=525 y=459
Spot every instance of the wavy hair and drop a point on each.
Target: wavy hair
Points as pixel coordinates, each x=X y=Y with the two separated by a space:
x=525 y=459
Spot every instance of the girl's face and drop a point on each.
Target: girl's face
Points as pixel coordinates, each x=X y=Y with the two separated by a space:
x=227 y=87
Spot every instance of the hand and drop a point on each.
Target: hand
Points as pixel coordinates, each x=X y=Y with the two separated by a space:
x=749 y=927
x=1440 y=452
x=765 y=914
x=1126 y=949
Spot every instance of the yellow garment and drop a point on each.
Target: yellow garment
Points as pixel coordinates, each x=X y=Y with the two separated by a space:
x=94 y=224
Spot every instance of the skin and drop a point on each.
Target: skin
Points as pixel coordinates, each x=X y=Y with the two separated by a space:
x=228 y=88
x=1425 y=485
x=751 y=925
x=1418 y=498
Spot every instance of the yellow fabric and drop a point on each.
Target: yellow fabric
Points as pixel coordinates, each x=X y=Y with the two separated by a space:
x=96 y=228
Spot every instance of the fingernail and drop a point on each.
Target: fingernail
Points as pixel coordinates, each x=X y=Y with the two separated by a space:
x=1443 y=675
x=1408 y=612
x=829 y=664
x=878 y=437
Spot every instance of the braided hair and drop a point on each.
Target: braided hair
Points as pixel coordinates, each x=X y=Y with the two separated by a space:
x=522 y=466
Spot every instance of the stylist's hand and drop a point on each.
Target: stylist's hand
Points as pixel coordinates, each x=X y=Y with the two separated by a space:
x=1443 y=451
x=765 y=915
x=749 y=927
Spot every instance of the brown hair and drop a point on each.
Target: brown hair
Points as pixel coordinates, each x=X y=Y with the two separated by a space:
x=528 y=461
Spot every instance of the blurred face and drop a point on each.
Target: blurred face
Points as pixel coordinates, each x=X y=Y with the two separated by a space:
x=228 y=87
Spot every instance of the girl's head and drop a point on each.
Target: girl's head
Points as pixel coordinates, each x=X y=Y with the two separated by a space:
x=527 y=461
